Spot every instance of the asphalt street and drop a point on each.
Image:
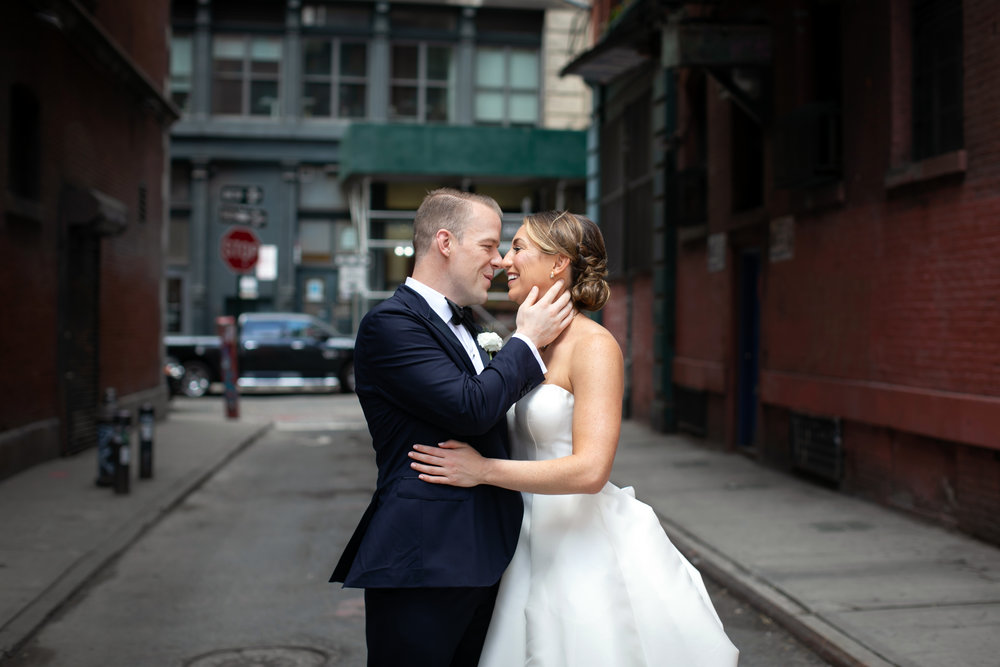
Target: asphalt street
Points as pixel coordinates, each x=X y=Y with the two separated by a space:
x=235 y=575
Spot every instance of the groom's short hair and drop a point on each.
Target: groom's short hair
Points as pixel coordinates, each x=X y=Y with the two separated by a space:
x=445 y=208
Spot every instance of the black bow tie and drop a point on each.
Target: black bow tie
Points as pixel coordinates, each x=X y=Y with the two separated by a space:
x=462 y=315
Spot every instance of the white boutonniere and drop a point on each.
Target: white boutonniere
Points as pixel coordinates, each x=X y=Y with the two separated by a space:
x=490 y=341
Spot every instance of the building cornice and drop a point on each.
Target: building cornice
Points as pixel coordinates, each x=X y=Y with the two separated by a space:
x=94 y=42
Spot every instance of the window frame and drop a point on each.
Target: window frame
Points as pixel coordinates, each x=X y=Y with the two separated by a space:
x=937 y=123
x=177 y=77
x=246 y=76
x=506 y=90
x=335 y=78
x=422 y=83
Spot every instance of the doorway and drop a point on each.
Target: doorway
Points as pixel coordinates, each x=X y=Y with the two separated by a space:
x=748 y=346
x=79 y=338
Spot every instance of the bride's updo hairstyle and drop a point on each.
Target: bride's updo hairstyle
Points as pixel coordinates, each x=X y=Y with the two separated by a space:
x=579 y=238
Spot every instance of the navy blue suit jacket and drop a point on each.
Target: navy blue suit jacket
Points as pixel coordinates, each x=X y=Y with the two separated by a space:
x=417 y=384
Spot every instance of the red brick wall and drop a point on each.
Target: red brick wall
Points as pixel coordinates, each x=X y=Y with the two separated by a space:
x=28 y=273
x=704 y=311
x=893 y=295
x=95 y=134
x=615 y=317
x=978 y=492
x=140 y=29
x=907 y=471
x=898 y=286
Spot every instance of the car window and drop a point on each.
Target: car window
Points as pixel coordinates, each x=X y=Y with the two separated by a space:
x=262 y=330
x=321 y=328
x=298 y=328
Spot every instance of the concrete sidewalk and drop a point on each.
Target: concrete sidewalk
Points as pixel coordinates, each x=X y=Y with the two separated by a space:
x=59 y=529
x=860 y=584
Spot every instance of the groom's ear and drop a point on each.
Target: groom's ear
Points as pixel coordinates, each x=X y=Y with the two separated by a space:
x=443 y=241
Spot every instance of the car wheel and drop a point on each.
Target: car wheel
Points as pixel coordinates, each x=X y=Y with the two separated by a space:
x=196 y=379
x=347 y=378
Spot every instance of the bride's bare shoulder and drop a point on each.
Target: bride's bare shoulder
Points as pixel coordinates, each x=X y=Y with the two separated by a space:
x=593 y=338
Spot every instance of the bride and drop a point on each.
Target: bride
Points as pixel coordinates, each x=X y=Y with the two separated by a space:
x=594 y=579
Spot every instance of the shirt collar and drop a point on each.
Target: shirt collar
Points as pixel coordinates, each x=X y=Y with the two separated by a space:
x=434 y=299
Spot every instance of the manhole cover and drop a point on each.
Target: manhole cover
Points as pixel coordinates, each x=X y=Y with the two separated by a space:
x=279 y=656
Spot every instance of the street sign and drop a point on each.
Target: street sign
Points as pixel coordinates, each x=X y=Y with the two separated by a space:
x=242 y=194
x=241 y=214
x=239 y=249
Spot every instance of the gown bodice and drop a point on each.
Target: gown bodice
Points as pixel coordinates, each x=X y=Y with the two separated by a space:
x=541 y=424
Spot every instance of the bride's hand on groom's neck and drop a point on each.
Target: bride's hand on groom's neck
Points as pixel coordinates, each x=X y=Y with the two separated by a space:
x=542 y=320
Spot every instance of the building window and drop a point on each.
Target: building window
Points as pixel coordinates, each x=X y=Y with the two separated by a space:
x=937 y=77
x=180 y=184
x=627 y=187
x=321 y=240
x=175 y=304
x=180 y=71
x=507 y=86
x=246 y=73
x=179 y=241
x=319 y=190
x=422 y=82
x=335 y=78
x=612 y=211
x=24 y=146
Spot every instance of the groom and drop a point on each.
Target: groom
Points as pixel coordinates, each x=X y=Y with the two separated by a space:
x=430 y=556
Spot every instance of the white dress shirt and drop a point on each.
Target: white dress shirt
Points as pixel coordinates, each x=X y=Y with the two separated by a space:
x=439 y=304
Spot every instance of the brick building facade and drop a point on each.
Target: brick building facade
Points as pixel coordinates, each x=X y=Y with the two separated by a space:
x=820 y=287
x=83 y=141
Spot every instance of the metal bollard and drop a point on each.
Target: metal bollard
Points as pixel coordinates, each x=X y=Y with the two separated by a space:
x=146 y=417
x=105 y=435
x=123 y=451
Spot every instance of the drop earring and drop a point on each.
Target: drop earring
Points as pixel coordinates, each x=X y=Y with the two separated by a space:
x=552 y=274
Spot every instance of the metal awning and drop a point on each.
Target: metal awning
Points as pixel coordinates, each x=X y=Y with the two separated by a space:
x=648 y=30
x=94 y=210
x=625 y=45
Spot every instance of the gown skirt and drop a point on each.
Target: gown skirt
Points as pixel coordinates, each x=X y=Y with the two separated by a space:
x=594 y=580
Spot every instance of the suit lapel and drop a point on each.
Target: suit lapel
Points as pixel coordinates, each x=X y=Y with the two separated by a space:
x=416 y=303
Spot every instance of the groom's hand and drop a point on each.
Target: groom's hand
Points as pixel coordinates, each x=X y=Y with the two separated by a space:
x=543 y=320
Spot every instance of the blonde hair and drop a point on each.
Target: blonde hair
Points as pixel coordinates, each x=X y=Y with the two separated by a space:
x=579 y=239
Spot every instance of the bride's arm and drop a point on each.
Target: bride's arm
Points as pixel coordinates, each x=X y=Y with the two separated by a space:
x=597 y=377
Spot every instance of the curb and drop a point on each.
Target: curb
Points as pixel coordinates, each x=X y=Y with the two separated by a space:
x=804 y=624
x=24 y=625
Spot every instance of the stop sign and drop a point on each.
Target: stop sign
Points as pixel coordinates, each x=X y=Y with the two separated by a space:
x=239 y=247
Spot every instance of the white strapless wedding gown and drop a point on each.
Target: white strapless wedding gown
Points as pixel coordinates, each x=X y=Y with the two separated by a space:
x=594 y=579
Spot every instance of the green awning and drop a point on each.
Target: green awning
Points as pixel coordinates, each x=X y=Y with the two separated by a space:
x=373 y=149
